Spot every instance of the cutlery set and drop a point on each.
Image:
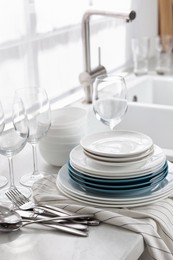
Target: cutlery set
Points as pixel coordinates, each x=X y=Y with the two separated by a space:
x=25 y=213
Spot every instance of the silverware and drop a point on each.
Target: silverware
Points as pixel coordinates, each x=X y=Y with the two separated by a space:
x=8 y=226
x=24 y=203
x=53 y=211
x=51 y=216
x=11 y=220
x=30 y=215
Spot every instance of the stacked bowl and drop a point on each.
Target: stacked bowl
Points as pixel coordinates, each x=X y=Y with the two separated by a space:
x=68 y=126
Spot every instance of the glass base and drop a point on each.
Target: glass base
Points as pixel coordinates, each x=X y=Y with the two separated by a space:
x=29 y=179
x=24 y=190
x=3 y=181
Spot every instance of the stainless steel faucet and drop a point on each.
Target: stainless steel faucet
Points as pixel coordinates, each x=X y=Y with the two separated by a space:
x=87 y=77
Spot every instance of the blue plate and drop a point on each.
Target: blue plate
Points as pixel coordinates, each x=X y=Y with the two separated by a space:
x=136 y=180
x=117 y=186
x=100 y=190
x=112 y=186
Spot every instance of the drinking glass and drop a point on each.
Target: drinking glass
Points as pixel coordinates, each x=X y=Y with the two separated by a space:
x=140 y=51
x=13 y=137
x=3 y=179
x=109 y=99
x=39 y=120
x=164 y=46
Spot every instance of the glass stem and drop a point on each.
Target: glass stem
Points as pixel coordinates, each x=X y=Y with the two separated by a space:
x=11 y=171
x=35 y=162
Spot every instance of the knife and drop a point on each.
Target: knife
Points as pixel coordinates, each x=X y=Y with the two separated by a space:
x=52 y=211
x=30 y=215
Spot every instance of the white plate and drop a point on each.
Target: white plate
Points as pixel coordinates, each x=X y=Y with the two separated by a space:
x=74 y=191
x=85 y=164
x=100 y=203
x=133 y=163
x=103 y=159
x=117 y=143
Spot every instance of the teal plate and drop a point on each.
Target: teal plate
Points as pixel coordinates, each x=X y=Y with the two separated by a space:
x=117 y=186
x=117 y=189
x=136 y=180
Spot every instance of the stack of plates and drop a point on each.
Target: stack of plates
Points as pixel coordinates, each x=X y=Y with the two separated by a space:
x=121 y=147
x=116 y=168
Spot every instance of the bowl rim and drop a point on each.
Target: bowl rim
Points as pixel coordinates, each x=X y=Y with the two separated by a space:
x=76 y=117
x=43 y=142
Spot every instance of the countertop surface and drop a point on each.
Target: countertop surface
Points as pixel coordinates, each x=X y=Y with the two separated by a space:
x=32 y=242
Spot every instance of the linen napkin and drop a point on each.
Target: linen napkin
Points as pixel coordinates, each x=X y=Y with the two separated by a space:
x=154 y=222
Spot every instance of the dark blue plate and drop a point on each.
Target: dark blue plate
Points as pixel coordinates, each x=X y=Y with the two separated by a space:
x=115 y=189
x=136 y=180
x=114 y=185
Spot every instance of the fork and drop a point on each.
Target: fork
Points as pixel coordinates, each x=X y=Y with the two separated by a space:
x=23 y=203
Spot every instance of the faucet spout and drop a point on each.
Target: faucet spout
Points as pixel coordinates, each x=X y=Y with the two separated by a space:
x=87 y=77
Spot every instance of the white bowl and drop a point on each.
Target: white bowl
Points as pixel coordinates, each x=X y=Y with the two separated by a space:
x=58 y=158
x=57 y=146
x=68 y=117
x=70 y=131
x=63 y=139
x=55 y=154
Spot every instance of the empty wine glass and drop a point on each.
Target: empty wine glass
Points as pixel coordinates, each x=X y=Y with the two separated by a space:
x=3 y=179
x=39 y=119
x=13 y=137
x=109 y=99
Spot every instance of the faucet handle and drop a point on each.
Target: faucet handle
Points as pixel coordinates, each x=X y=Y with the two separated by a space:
x=87 y=78
x=86 y=82
x=99 y=55
x=99 y=69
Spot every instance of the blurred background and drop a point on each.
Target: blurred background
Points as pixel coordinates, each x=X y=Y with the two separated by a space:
x=40 y=40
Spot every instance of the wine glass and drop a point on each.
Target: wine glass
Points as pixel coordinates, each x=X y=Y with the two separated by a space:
x=3 y=179
x=109 y=99
x=39 y=120
x=13 y=137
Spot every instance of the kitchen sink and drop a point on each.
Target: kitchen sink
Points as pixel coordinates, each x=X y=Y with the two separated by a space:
x=151 y=90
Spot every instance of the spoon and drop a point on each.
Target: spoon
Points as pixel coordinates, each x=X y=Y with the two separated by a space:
x=9 y=220
x=12 y=221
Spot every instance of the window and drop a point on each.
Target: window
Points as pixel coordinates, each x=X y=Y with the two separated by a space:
x=40 y=42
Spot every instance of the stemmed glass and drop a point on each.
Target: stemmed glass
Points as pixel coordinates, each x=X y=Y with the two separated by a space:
x=39 y=120
x=109 y=99
x=3 y=179
x=13 y=137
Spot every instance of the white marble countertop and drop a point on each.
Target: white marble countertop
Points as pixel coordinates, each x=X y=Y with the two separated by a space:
x=102 y=243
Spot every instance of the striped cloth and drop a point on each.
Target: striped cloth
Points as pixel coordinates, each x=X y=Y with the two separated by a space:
x=154 y=222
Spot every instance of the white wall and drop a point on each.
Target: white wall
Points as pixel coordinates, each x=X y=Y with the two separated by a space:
x=59 y=53
x=118 y=52
x=146 y=22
